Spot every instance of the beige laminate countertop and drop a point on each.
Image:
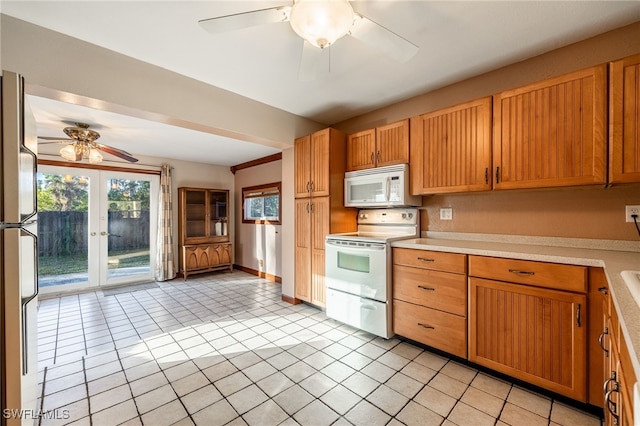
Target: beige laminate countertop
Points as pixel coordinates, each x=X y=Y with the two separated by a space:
x=613 y=256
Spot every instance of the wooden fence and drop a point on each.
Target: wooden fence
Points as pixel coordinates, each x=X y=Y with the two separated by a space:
x=66 y=233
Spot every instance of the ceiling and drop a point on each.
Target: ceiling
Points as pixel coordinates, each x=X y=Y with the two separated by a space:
x=457 y=40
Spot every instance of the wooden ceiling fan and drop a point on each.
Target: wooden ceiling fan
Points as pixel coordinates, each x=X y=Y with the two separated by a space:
x=82 y=145
x=320 y=23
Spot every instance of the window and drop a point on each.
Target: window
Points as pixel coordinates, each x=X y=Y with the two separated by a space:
x=261 y=204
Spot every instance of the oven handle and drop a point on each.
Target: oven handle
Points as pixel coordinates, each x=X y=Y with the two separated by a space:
x=371 y=246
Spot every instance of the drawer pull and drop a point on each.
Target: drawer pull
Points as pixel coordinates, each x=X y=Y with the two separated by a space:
x=612 y=407
x=426 y=288
x=423 y=259
x=430 y=327
x=603 y=290
x=519 y=272
x=605 y=387
x=601 y=338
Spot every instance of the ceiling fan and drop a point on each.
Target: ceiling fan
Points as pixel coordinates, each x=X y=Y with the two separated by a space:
x=320 y=23
x=84 y=146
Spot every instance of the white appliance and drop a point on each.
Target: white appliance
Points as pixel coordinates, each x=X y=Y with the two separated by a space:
x=18 y=256
x=379 y=187
x=358 y=268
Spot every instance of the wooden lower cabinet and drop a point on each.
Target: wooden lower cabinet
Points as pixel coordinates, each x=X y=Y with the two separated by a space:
x=199 y=258
x=430 y=298
x=620 y=376
x=534 y=334
x=432 y=327
x=312 y=225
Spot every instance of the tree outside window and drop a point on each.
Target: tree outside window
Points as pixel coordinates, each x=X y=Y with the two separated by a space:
x=261 y=204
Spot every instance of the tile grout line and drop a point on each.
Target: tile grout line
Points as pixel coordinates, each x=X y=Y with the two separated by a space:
x=42 y=392
x=86 y=387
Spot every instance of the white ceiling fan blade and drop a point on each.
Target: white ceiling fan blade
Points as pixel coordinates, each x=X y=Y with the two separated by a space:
x=246 y=19
x=382 y=39
x=314 y=62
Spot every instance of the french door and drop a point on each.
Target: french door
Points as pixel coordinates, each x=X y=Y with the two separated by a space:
x=95 y=227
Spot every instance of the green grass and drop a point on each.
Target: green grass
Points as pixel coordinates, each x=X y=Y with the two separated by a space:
x=59 y=265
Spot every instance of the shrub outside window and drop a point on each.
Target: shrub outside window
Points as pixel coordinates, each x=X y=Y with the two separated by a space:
x=261 y=204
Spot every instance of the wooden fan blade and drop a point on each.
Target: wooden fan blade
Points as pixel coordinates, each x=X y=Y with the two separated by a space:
x=117 y=152
x=246 y=19
x=382 y=39
x=314 y=62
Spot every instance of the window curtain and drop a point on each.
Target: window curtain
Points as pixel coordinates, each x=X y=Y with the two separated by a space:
x=165 y=265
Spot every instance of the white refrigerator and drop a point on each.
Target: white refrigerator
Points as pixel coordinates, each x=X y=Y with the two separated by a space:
x=18 y=256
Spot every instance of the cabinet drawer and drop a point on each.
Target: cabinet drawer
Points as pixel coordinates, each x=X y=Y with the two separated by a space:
x=539 y=274
x=434 y=289
x=435 y=260
x=440 y=330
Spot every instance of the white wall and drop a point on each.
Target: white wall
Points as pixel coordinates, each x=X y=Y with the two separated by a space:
x=288 y=223
x=257 y=241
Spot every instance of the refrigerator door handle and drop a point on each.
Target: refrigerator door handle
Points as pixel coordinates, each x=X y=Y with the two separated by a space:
x=34 y=162
x=25 y=303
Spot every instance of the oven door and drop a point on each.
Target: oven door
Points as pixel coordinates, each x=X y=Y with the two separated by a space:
x=358 y=268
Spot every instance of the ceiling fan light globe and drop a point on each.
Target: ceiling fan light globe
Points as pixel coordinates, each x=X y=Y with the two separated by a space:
x=68 y=152
x=94 y=156
x=321 y=22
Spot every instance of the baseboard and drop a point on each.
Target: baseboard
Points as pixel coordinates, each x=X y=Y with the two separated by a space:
x=260 y=274
x=291 y=300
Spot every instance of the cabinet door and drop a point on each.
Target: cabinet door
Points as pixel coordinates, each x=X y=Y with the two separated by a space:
x=320 y=160
x=303 y=250
x=222 y=254
x=537 y=335
x=302 y=166
x=361 y=148
x=552 y=133
x=451 y=149
x=392 y=144
x=598 y=334
x=320 y=214
x=624 y=116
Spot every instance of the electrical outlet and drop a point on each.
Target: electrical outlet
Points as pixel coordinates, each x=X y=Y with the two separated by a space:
x=446 y=213
x=260 y=263
x=629 y=210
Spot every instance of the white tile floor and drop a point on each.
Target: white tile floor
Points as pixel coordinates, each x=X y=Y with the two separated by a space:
x=224 y=349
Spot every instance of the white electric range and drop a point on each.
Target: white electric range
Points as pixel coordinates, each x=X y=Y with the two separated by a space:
x=358 y=268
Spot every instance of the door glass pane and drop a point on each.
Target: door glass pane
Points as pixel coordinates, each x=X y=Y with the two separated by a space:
x=63 y=223
x=128 y=227
x=196 y=210
x=218 y=211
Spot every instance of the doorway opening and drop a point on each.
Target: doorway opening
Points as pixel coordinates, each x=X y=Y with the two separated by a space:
x=95 y=227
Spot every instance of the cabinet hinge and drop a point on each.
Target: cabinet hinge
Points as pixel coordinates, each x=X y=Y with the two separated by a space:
x=497 y=174
x=578 y=319
x=486 y=175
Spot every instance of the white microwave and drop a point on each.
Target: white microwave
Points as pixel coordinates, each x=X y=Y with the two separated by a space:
x=379 y=187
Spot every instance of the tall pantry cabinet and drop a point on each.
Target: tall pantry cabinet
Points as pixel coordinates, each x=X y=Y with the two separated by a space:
x=320 y=161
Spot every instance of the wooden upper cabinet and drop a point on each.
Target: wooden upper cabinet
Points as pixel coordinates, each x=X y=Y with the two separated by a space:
x=382 y=146
x=552 y=133
x=302 y=166
x=451 y=149
x=361 y=148
x=313 y=162
x=392 y=143
x=624 y=117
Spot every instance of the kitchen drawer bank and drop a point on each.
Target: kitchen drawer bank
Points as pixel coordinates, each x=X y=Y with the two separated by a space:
x=566 y=258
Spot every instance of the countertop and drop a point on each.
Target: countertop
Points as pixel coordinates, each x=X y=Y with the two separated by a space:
x=613 y=256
